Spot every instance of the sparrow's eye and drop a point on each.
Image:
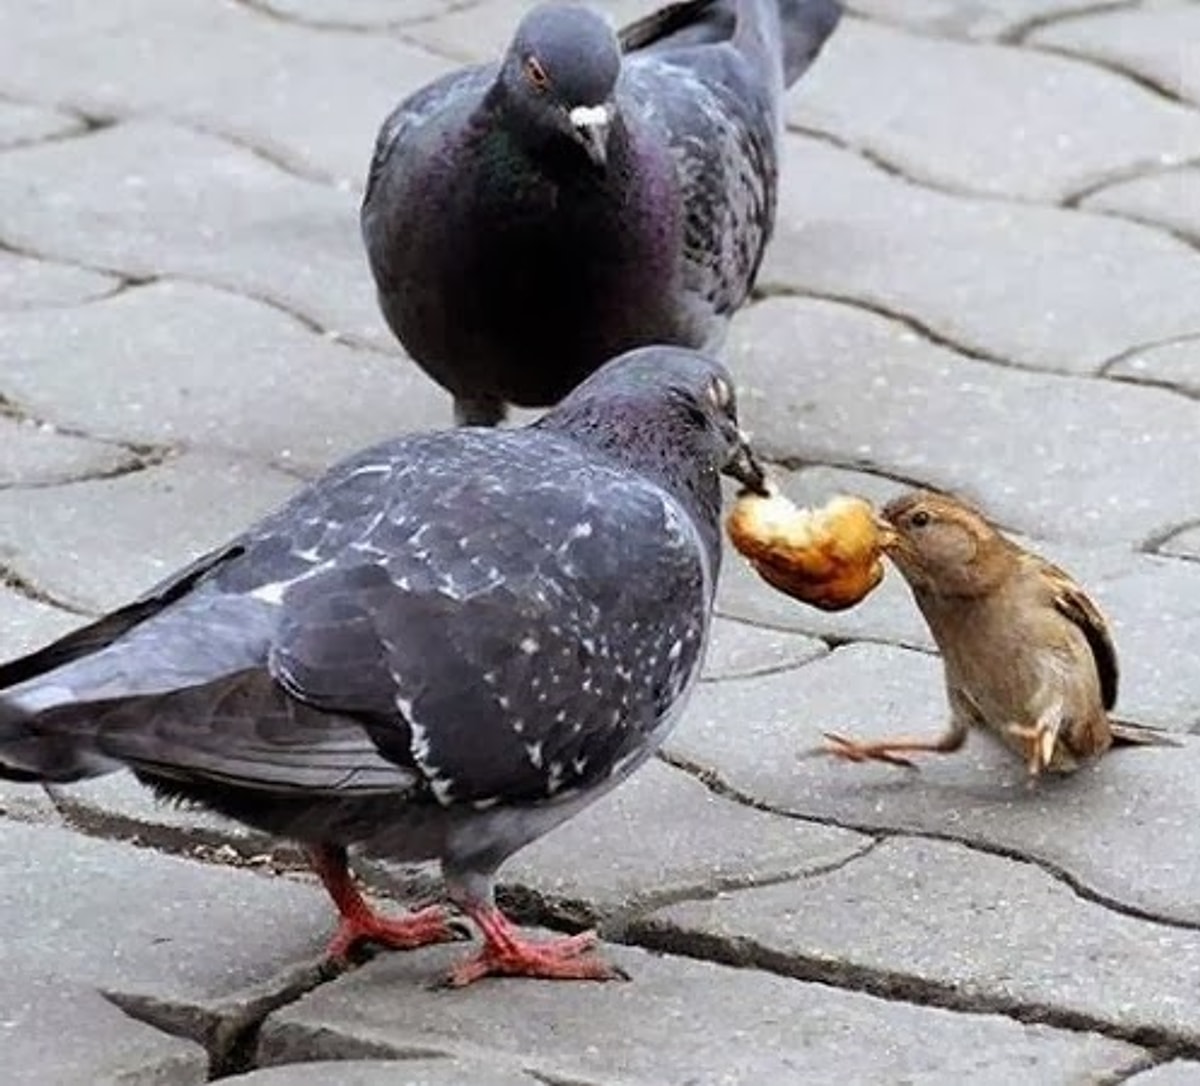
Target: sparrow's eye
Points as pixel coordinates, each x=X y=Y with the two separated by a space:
x=919 y=519
x=535 y=73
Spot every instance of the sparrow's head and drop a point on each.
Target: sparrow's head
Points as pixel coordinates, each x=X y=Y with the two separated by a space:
x=942 y=545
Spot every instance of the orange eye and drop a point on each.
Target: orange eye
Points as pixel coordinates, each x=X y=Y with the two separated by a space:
x=535 y=73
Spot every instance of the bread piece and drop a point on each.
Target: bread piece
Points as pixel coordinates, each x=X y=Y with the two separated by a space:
x=828 y=557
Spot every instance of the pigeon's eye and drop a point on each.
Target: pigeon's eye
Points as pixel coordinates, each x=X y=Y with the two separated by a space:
x=720 y=394
x=919 y=519
x=535 y=73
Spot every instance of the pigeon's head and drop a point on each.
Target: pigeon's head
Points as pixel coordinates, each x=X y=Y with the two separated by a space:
x=559 y=78
x=669 y=413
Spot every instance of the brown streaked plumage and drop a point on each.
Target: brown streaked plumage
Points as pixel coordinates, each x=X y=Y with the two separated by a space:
x=1026 y=653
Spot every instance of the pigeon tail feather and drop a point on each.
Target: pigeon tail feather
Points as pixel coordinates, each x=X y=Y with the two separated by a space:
x=33 y=754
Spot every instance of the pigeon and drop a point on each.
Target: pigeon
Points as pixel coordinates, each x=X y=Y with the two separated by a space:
x=440 y=650
x=593 y=192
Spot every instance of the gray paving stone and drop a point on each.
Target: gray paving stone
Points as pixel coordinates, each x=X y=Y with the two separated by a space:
x=976 y=19
x=739 y=650
x=127 y=804
x=1170 y=199
x=1155 y=41
x=357 y=13
x=173 y=930
x=1121 y=828
x=57 y=1033
x=708 y=1024
x=311 y=98
x=36 y=455
x=997 y=931
x=482 y=31
x=150 y=199
x=1185 y=543
x=189 y=365
x=98 y=544
x=25 y=624
x=414 y=1071
x=21 y=122
x=1176 y=364
x=988 y=119
x=1056 y=457
x=662 y=834
x=1175 y=1073
x=26 y=283
x=1040 y=287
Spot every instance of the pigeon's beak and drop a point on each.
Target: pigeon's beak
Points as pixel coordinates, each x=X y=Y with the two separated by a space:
x=745 y=468
x=591 y=125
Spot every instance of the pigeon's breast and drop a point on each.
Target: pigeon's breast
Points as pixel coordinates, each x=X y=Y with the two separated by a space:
x=555 y=268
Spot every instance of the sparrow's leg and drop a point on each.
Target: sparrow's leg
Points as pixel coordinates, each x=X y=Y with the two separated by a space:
x=360 y=923
x=1039 y=740
x=893 y=750
x=506 y=954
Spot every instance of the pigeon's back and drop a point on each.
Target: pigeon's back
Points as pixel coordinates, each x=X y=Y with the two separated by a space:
x=711 y=75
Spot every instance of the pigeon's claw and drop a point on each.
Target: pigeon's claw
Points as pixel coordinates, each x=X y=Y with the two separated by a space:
x=362 y=924
x=422 y=928
x=506 y=954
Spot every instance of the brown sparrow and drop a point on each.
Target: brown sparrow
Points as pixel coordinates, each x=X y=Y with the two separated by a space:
x=1026 y=653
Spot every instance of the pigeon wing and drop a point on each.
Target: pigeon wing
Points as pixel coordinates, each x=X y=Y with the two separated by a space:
x=528 y=654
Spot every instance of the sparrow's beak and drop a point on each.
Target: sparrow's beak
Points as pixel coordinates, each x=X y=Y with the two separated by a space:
x=591 y=125
x=745 y=468
x=888 y=536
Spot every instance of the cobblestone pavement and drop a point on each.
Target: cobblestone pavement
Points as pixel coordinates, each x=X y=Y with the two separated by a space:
x=986 y=276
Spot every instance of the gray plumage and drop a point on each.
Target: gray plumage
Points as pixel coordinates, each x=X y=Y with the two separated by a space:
x=592 y=192
x=441 y=649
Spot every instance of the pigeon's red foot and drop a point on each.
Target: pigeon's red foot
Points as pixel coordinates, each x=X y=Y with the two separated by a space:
x=362 y=924
x=506 y=954
x=422 y=928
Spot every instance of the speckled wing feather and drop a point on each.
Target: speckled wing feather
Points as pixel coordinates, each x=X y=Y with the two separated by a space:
x=437 y=616
x=532 y=637
x=1075 y=604
x=712 y=76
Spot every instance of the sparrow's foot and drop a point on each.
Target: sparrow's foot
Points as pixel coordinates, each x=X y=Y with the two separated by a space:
x=857 y=750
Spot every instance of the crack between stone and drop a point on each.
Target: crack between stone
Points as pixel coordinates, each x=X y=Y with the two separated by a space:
x=832 y=640
x=533 y=907
x=1074 y=200
x=1016 y=35
x=141 y=455
x=17 y=582
x=132 y=280
x=1152 y=543
x=265 y=11
x=279 y=158
x=766 y=291
x=1152 y=86
x=1106 y=368
x=659 y=935
x=717 y=784
x=228 y=1029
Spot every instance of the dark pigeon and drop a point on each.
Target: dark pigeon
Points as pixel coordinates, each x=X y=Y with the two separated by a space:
x=442 y=649
x=592 y=192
